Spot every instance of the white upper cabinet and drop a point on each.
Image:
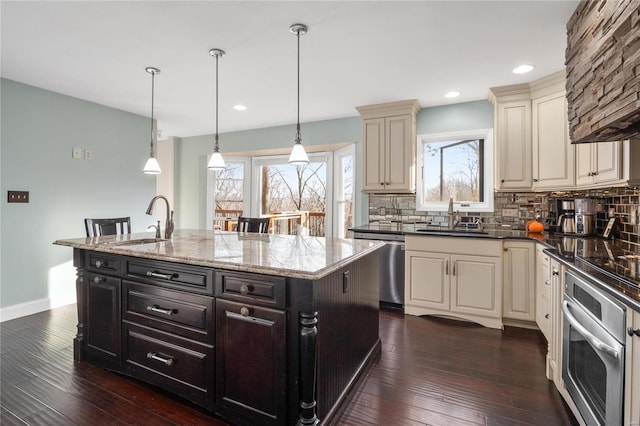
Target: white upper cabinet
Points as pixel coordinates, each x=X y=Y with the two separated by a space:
x=598 y=163
x=553 y=155
x=533 y=148
x=512 y=131
x=389 y=147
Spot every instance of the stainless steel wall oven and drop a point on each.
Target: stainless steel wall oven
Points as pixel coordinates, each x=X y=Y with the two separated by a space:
x=593 y=351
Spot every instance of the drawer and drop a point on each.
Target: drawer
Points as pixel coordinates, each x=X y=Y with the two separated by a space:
x=185 y=314
x=103 y=262
x=175 y=275
x=176 y=364
x=256 y=289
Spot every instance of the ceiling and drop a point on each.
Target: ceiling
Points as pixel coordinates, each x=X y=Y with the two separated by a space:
x=355 y=53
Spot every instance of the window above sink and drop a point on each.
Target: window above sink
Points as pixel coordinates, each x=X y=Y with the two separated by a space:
x=457 y=165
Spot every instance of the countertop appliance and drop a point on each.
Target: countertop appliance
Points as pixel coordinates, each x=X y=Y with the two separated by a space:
x=585 y=216
x=391 y=267
x=593 y=351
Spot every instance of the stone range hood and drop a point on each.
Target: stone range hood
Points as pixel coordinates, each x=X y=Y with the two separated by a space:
x=603 y=71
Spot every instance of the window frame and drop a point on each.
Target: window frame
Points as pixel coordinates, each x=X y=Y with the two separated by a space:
x=487 y=166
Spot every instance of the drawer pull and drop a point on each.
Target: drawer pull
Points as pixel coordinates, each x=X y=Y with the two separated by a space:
x=547 y=282
x=244 y=311
x=546 y=316
x=101 y=264
x=155 y=274
x=244 y=289
x=159 y=310
x=99 y=280
x=166 y=361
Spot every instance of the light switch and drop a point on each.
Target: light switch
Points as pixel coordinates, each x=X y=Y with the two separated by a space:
x=76 y=153
x=88 y=154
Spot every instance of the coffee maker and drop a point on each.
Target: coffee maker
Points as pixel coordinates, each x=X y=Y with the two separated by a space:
x=566 y=222
x=585 y=216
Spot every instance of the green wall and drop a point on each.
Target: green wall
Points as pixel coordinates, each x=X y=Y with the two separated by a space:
x=192 y=152
x=38 y=131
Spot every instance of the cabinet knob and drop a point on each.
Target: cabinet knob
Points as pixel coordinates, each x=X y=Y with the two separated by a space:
x=244 y=311
x=555 y=272
x=633 y=331
x=244 y=289
x=99 y=280
x=382 y=183
x=501 y=180
x=535 y=180
x=98 y=264
x=547 y=316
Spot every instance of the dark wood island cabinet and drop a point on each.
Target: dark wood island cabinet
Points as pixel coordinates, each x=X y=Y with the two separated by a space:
x=268 y=330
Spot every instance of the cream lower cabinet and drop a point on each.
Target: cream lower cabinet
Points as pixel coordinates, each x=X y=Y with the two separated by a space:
x=543 y=291
x=554 y=356
x=445 y=277
x=518 y=295
x=632 y=371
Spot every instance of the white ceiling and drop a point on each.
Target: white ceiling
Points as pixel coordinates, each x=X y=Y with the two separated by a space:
x=355 y=53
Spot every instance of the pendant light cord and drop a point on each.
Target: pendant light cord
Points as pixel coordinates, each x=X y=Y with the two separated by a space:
x=153 y=77
x=216 y=148
x=298 y=135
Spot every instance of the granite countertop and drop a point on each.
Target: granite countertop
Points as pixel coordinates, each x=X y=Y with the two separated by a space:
x=399 y=228
x=283 y=255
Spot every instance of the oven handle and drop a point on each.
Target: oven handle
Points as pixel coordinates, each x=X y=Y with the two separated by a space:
x=590 y=337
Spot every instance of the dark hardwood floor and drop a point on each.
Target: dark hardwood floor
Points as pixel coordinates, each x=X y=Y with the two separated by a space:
x=432 y=371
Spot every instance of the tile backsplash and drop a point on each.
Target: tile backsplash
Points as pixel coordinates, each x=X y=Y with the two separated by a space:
x=515 y=209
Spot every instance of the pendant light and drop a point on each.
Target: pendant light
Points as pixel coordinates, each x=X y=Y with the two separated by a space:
x=216 y=162
x=298 y=154
x=152 y=167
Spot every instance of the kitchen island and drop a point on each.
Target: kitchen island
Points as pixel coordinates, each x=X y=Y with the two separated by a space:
x=259 y=329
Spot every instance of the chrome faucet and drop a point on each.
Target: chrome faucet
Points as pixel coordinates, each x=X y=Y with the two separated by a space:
x=168 y=226
x=453 y=219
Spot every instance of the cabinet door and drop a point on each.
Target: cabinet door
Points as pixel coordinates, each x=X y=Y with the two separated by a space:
x=555 y=344
x=543 y=292
x=476 y=285
x=632 y=371
x=373 y=132
x=584 y=169
x=519 y=281
x=514 y=145
x=102 y=322
x=553 y=154
x=428 y=277
x=606 y=161
x=399 y=153
x=251 y=363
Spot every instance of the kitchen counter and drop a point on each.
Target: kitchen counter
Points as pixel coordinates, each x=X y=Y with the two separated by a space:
x=581 y=254
x=283 y=255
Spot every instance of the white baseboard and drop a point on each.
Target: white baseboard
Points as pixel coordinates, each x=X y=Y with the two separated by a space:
x=35 y=306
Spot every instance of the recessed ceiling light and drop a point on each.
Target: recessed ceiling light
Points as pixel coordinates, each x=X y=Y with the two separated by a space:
x=452 y=94
x=239 y=107
x=522 y=69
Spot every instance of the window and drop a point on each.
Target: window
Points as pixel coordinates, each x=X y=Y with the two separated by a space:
x=344 y=194
x=457 y=165
x=279 y=187
x=227 y=192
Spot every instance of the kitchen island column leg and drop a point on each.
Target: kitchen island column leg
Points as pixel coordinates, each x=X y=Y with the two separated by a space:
x=308 y=364
x=78 y=341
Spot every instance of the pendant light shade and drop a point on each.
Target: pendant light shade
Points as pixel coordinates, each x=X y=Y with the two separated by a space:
x=216 y=162
x=152 y=167
x=298 y=154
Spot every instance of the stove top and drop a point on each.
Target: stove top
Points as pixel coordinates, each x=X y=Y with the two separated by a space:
x=622 y=265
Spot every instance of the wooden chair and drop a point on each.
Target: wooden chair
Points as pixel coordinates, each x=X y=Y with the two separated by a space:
x=114 y=226
x=259 y=225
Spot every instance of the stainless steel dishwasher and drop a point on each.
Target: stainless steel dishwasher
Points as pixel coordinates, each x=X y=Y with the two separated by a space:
x=391 y=267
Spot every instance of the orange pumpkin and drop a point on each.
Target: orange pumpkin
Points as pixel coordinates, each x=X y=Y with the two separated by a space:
x=534 y=226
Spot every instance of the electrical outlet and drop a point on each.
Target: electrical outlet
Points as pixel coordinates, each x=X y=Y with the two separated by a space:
x=17 y=196
x=76 y=154
x=88 y=154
